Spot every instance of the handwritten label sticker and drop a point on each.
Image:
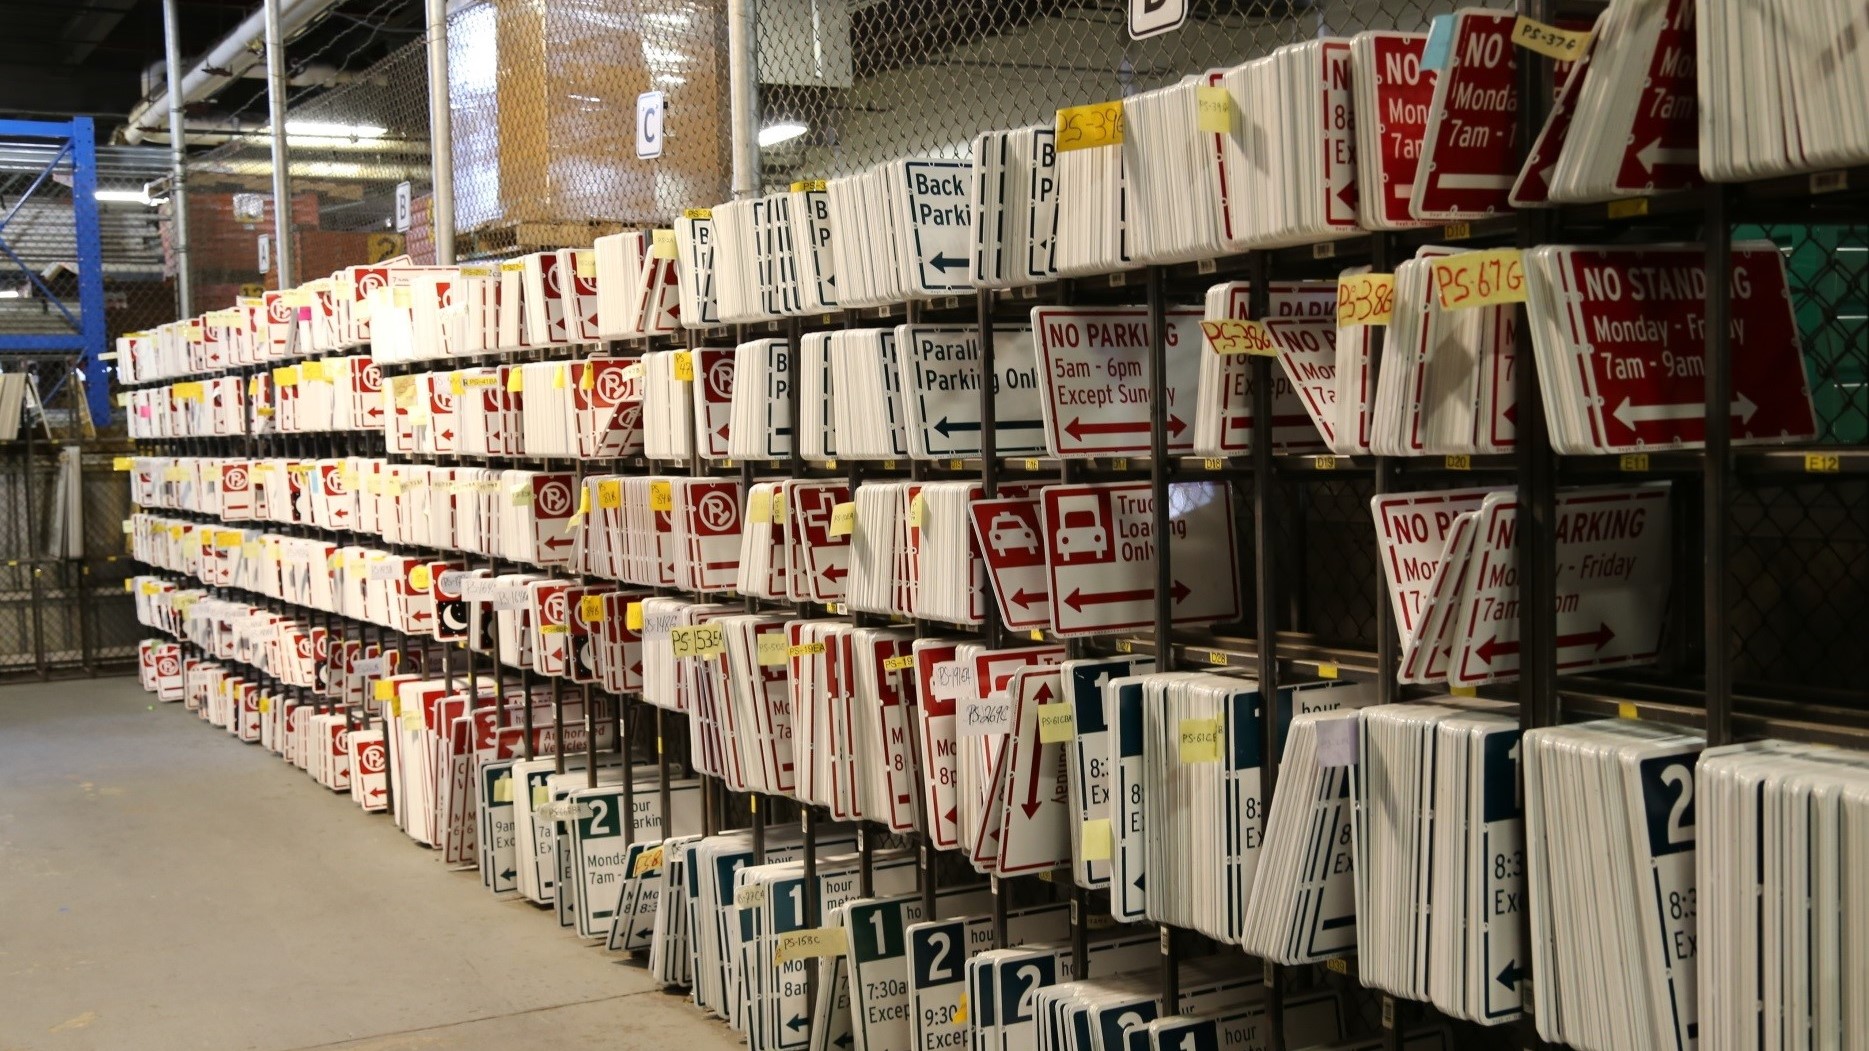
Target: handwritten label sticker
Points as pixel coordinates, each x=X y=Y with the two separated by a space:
x=1087 y=127
x=1365 y=299
x=1239 y=336
x=1480 y=279
x=1199 y=740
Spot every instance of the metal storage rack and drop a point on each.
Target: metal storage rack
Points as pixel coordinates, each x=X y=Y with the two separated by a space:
x=1318 y=608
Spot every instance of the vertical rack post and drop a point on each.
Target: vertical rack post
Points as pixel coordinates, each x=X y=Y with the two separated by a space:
x=1265 y=562
x=1717 y=464
x=1159 y=470
x=1537 y=477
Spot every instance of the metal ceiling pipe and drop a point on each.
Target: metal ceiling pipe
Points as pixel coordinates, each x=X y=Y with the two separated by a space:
x=743 y=96
x=282 y=185
x=178 y=161
x=440 y=136
x=229 y=59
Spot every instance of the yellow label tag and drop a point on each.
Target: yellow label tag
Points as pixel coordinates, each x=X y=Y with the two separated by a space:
x=1822 y=463
x=1324 y=463
x=480 y=382
x=699 y=640
x=1056 y=723
x=513 y=266
x=778 y=505
x=412 y=720
x=1037 y=635
x=805 y=650
x=810 y=943
x=843 y=519
x=1327 y=671
x=150 y=587
x=266 y=705
x=584 y=264
x=591 y=608
x=915 y=512
x=1213 y=463
x=503 y=790
x=455 y=386
x=129 y=585
x=662 y=244
x=1480 y=279
x=759 y=506
x=587 y=377
x=632 y=616
x=772 y=649
x=1634 y=462
x=540 y=796
x=1463 y=691
x=610 y=494
x=287 y=376
x=122 y=463
x=191 y=391
x=421 y=578
x=698 y=213
x=313 y=370
x=1098 y=841
x=1627 y=208
x=1365 y=299
x=1200 y=740
x=228 y=538
x=559 y=377
x=902 y=663
x=684 y=366
x=809 y=186
x=648 y=861
x=1085 y=127
x=1626 y=710
x=1217 y=658
x=1239 y=336
x=661 y=496
x=515 y=381
x=384 y=690
x=1563 y=44
x=960 y=1010
x=1213 y=107
x=1460 y=462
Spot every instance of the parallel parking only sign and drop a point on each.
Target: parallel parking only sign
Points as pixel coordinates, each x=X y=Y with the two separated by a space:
x=1101 y=549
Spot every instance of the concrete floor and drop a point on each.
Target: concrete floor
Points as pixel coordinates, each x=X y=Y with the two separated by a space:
x=165 y=886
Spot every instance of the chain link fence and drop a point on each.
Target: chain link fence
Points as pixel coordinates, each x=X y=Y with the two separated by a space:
x=349 y=149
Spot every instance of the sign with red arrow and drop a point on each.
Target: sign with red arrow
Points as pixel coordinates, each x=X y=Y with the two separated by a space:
x=1619 y=335
x=1401 y=89
x=1008 y=533
x=935 y=705
x=369 y=764
x=1469 y=156
x=1034 y=830
x=822 y=560
x=1228 y=389
x=1094 y=362
x=1101 y=549
x=1612 y=582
